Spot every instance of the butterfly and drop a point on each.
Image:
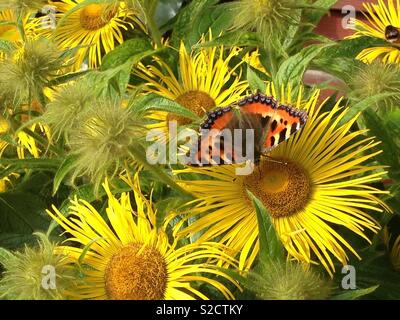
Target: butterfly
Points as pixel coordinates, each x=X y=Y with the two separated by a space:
x=392 y=34
x=256 y=124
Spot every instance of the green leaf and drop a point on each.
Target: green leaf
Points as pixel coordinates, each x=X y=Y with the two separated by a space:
x=321 y=8
x=132 y=50
x=6 y=46
x=293 y=69
x=66 y=167
x=244 y=281
x=255 y=82
x=390 y=154
x=14 y=241
x=187 y=23
x=350 y=48
x=5 y=255
x=22 y=213
x=153 y=102
x=66 y=78
x=21 y=165
x=341 y=67
x=355 y=294
x=233 y=38
x=117 y=64
x=111 y=81
x=214 y=18
x=364 y=105
x=271 y=247
x=165 y=206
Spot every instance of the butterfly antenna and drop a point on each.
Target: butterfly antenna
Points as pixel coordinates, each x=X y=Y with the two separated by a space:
x=270 y=159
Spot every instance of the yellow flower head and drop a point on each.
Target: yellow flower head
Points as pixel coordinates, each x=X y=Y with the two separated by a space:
x=25 y=143
x=93 y=29
x=393 y=249
x=319 y=182
x=253 y=60
x=130 y=258
x=383 y=23
x=10 y=32
x=205 y=80
x=395 y=254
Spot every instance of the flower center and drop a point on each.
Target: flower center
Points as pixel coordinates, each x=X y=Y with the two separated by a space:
x=9 y=33
x=96 y=16
x=284 y=188
x=197 y=101
x=4 y=126
x=136 y=272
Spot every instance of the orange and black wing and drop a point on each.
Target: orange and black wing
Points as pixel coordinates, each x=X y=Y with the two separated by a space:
x=286 y=122
x=270 y=122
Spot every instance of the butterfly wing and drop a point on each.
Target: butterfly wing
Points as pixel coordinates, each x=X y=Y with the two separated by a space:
x=286 y=122
x=258 y=111
x=271 y=124
x=216 y=136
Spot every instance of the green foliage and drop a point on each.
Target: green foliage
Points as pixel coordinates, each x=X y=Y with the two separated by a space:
x=98 y=121
x=271 y=248
x=293 y=69
x=23 y=272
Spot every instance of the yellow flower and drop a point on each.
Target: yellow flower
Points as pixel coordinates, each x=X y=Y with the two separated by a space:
x=93 y=29
x=133 y=259
x=4 y=127
x=395 y=254
x=205 y=80
x=320 y=183
x=381 y=17
x=28 y=143
x=394 y=250
x=25 y=143
x=9 y=30
x=253 y=60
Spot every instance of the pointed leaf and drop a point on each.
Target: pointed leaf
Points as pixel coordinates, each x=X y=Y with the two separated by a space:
x=292 y=70
x=355 y=294
x=255 y=82
x=271 y=247
x=66 y=167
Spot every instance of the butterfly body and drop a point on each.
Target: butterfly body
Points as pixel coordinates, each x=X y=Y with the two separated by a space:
x=392 y=34
x=258 y=123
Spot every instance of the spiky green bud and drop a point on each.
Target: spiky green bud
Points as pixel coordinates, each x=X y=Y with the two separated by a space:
x=377 y=78
x=28 y=5
x=24 y=74
x=269 y=18
x=103 y=138
x=67 y=106
x=35 y=273
x=288 y=281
